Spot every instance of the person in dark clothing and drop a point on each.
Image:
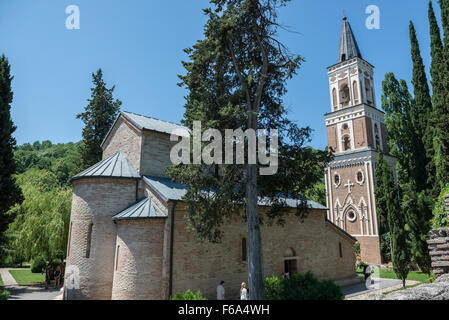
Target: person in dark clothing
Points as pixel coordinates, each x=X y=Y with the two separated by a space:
x=48 y=271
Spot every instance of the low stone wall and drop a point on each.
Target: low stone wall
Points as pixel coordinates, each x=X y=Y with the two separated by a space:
x=439 y=250
x=446 y=198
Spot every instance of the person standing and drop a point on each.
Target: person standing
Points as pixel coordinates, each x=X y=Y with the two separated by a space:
x=243 y=292
x=221 y=291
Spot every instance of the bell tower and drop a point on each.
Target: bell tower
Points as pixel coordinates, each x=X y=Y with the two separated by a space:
x=355 y=130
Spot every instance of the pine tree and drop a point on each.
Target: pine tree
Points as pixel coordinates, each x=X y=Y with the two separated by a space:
x=98 y=117
x=436 y=46
x=420 y=112
x=396 y=223
x=441 y=105
x=236 y=78
x=10 y=193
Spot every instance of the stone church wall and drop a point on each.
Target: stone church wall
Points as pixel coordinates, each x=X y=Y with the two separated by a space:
x=93 y=234
x=126 y=138
x=156 y=148
x=139 y=260
x=315 y=243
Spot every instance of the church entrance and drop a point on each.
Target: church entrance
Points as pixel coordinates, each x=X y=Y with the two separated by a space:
x=290 y=262
x=290 y=266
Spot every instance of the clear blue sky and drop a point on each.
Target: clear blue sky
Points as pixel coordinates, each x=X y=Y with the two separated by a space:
x=138 y=44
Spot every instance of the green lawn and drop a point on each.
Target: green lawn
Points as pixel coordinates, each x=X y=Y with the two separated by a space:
x=1 y=282
x=412 y=275
x=25 y=277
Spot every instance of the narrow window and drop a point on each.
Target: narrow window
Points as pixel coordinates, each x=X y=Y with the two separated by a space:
x=244 y=249
x=89 y=240
x=340 y=249
x=116 y=258
x=70 y=238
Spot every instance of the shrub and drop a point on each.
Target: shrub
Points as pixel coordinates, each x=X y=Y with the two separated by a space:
x=301 y=287
x=385 y=247
x=4 y=295
x=440 y=219
x=189 y=295
x=38 y=265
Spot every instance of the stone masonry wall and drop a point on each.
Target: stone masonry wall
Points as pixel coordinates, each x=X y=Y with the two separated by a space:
x=95 y=201
x=138 y=265
x=439 y=247
x=156 y=148
x=315 y=242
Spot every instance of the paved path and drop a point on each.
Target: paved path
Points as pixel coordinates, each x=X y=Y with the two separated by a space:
x=7 y=278
x=33 y=292
x=362 y=291
x=36 y=292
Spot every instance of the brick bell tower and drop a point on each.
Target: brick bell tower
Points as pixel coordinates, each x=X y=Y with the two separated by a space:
x=355 y=129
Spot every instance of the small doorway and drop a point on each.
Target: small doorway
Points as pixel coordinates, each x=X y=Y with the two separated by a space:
x=290 y=266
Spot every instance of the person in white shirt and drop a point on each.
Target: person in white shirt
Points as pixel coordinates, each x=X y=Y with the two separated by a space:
x=243 y=292
x=221 y=291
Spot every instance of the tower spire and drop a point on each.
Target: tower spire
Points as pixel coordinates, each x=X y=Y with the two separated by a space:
x=348 y=45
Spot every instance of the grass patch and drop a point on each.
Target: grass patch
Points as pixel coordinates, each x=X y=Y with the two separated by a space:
x=412 y=275
x=4 y=294
x=25 y=277
x=1 y=282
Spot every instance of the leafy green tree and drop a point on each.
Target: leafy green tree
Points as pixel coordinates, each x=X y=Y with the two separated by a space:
x=420 y=113
x=236 y=79
x=9 y=192
x=42 y=219
x=98 y=117
x=396 y=223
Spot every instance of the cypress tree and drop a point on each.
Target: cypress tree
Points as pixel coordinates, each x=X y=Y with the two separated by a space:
x=441 y=114
x=10 y=193
x=98 y=117
x=396 y=223
x=414 y=205
x=420 y=112
x=379 y=193
x=436 y=46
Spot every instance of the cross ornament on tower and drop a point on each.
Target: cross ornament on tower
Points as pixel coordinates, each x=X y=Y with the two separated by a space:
x=349 y=185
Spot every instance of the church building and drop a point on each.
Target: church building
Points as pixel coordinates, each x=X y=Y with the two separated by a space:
x=355 y=130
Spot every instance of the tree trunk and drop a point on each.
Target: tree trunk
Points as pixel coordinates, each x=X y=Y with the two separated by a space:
x=255 y=259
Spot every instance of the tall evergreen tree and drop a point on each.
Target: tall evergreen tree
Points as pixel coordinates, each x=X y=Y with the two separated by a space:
x=441 y=105
x=413 y=204
x=10 y=193
x=396 y=223
x=98 y=117
x=436 y=46
x=379 y=193
x=236 y=78
x=420 y=112
x=404 y=145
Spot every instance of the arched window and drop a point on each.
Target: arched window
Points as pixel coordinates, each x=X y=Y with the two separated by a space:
x=368 y=91
x=343 y=57
x=334 y=98
x=376 y=130
x=289 y=252
x=344 y=96
x=346 y=143
x=355 y=90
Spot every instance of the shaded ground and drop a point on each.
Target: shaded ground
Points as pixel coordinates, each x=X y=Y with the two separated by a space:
x=361 y=291
x=35 y=292
x=362 y=288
